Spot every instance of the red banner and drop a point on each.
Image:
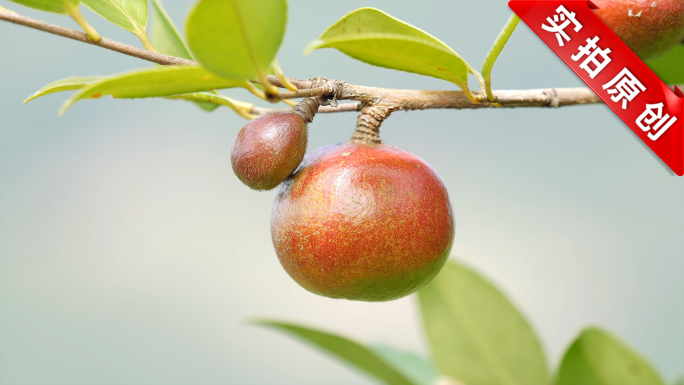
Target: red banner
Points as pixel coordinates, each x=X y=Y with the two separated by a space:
x=653 y=111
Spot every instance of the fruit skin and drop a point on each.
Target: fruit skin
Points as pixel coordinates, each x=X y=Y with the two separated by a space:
x=369 y=223
x=657 y=30
x=268 y=149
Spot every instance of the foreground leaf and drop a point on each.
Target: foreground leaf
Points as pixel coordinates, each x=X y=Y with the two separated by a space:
x=494 y=52
x=376 y=38
x=55 y=6
x=130 y=15
x=415 y=367
x=476 y=335
x=165 y=35
x=237 y=39
x=597 y=358
x=359 y=356
x=154 y=82
x=168 y=41
x=67 y=84
x=670 y=68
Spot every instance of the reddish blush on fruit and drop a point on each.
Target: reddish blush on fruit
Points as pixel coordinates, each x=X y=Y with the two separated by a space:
x=650 y=28
x=362 y=222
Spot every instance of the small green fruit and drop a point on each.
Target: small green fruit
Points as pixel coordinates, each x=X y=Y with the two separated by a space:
x=650 y=28
x=268 y=149
x=362 y=222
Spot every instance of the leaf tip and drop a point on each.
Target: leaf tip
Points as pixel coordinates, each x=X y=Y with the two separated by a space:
x=312 y=46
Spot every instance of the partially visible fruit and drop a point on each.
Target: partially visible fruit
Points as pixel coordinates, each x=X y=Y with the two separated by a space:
x=650 y=28
x=362 y=222
x=268 y=149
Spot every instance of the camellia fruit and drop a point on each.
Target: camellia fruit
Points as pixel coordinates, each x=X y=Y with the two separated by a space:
x=268 y=149
x=650 y=28
x=362 y=222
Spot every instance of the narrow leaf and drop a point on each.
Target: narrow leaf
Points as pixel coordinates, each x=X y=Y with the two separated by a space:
x=165 y=35
x=215 y=99
x=353 y=353
x=67 y=84
x=476 y=335
x=376 y=38
x=168 y=41
x=413 y=366
x=130 y=15
x=494 y=52
x=160 y=81
x=597 y=358
x=670 y=68
x=237 y=39
x=54 y=6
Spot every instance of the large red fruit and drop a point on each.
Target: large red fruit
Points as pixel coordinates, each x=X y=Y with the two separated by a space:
x=369 y=223
x=650 y=28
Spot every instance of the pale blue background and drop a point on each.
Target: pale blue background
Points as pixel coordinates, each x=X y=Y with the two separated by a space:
x=131 y=254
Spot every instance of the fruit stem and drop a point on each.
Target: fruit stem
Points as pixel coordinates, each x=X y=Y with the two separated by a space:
x=368 y=124
x=307 y=108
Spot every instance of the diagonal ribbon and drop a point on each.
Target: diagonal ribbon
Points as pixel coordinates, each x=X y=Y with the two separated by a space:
x=654 y=112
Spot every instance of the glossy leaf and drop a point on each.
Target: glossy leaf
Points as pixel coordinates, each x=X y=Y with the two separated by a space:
x=494 y=52
x=670 y=68
x=413 y=366
x=344 y=349
x=476 y=335
x=215 y=99
x=165 y=35
x=234 y=38
x=168 y=41
x=67 y=84
x=597 y=358
x=130 y=15
x=160 y=81
x=376 y=38
x=54 y=6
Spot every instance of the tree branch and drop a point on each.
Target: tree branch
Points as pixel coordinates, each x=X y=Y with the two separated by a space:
x=390 y=98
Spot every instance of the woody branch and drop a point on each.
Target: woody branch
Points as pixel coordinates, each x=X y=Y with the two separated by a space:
x=391 y=99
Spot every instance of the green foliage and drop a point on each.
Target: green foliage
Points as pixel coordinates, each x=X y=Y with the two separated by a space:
x=351 y=352
x=413 y=366
x=154 y=82
x=597 y=358
x=494 y=52
x=130 y=15
x=168 y=41
x=670 y=68
x=476 y=335
x=376 y=38
x=237 y=39
x=165 y=35
x=54 y=6
x=67 y=84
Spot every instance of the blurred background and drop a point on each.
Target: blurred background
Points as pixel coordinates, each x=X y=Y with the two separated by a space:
x=131 y=254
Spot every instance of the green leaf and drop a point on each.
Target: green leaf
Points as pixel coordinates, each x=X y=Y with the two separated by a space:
x=670 y=68
x=359 y=356
x=165 y=35
x=376 y=38
x=680 y=381
x=168 y=41
x=597 y=358
x=160 y=81
x=476 y=335
x=54 y=6
x=494 y=52
x=130 y=15
x=415 y=367
x=237 y=39
x=67 y=84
